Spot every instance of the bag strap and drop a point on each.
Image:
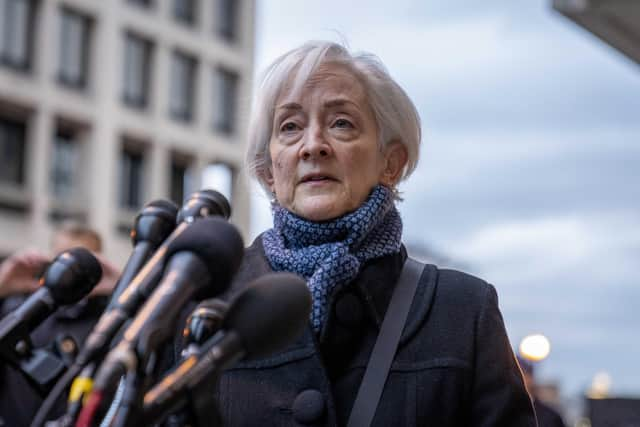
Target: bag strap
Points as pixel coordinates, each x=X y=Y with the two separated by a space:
x=384 y=350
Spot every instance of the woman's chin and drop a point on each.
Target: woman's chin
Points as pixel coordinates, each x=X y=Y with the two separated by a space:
x=321 y=208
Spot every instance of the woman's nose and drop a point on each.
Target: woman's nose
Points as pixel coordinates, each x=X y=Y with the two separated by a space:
x=315 y=146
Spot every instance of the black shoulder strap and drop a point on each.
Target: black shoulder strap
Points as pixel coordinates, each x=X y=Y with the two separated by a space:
x=384 y=350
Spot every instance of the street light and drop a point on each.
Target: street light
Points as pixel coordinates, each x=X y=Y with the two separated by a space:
x=535 y=347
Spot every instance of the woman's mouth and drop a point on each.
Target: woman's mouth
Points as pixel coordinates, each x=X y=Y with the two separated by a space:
x=316 y=179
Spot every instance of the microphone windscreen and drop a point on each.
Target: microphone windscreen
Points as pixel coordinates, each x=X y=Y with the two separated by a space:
x=161 y=207
x=155 y=222
x=217 y=243
x=72 y=275
x=205 y=203
x=270 y=313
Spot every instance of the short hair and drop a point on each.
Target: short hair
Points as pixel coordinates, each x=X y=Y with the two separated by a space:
x=77 y=231
x=396 y=116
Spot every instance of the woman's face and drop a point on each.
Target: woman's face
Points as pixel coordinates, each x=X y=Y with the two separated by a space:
x=324 y=147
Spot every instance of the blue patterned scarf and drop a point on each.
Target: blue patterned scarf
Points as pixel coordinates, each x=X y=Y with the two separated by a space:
x=330 y=253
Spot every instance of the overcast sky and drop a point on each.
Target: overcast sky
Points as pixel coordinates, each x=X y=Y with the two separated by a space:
x=530 y=161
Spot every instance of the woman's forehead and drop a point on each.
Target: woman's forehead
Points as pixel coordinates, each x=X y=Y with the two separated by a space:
x=332 y=80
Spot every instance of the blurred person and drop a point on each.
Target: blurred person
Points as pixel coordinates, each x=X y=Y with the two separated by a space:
x=20 y=272
x=19 y=275
x=546 y=415
x=331 y=135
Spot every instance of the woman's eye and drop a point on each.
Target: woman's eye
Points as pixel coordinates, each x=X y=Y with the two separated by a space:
x=288 y=127
x=343 y=123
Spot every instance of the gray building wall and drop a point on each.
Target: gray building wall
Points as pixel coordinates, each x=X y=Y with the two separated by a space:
x=102 y=125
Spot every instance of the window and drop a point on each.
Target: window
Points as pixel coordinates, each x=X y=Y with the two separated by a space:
x=225 y=94
x=178 y=172
x=226 y=19
x=12 y=151
x=131 y=178
x=64 y=169
x=181 y=100
x=16 y=32
x=184 y=11
x=74 y=49
x=181 y=180
x=137 y=71
x=142 y=3
x=219 y=177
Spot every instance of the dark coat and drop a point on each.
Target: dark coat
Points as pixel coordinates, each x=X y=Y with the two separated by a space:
x=546 y=415
x=454 y=366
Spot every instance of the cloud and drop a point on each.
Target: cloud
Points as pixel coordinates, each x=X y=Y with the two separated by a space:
x=481 y=68
x=550 y=248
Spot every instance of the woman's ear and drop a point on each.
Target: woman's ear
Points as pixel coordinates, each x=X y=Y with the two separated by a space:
x=267 y=176
x=395 y=159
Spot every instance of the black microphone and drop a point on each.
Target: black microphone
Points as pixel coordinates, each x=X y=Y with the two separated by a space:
x=203 y=322
x=266 y=317
x=152 y=226
x=132 y=294
x=69 y=278
x=199 y=205
x=204 y=203
x=201 y=263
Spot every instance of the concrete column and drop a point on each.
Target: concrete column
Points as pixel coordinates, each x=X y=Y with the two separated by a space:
x=104 y=140
x=159 y=161
x=38 y=159
x=160 y=80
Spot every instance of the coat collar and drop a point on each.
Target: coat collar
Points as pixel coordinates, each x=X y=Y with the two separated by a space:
x=374 y=284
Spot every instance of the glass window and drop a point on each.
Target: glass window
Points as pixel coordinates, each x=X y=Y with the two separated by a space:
x=225 y=18
x=181 y=99
x=179 y=181
x=16 y=32
x=137 y=71
x=185 y=11
x=66 y=161
x=12 y=151
x=225 y=96
x=131 y=178
x=219 y=177
x=73 y=48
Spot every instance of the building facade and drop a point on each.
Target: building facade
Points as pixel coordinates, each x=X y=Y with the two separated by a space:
x=106 y=105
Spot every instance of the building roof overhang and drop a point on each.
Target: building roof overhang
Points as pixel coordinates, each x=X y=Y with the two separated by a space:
x=617 y=22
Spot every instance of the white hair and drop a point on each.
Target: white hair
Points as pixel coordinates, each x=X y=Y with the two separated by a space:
x=396 y=116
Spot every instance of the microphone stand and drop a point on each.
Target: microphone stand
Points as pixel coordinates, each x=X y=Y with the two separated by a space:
x=199 y=410
x=134 y=383
x=190 y=385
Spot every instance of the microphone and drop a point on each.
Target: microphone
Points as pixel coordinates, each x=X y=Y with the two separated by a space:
x=202 y=323
x=204 y=203
x=199 y=205
x=152 y=226
x=132 y=296
x=201 y=263
x=266 y=317
x=69 y=278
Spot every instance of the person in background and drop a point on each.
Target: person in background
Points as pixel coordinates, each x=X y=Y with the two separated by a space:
x=547 y=416
x=19 y=275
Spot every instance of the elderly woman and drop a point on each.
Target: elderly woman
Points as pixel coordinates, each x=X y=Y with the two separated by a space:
x=332 y=135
